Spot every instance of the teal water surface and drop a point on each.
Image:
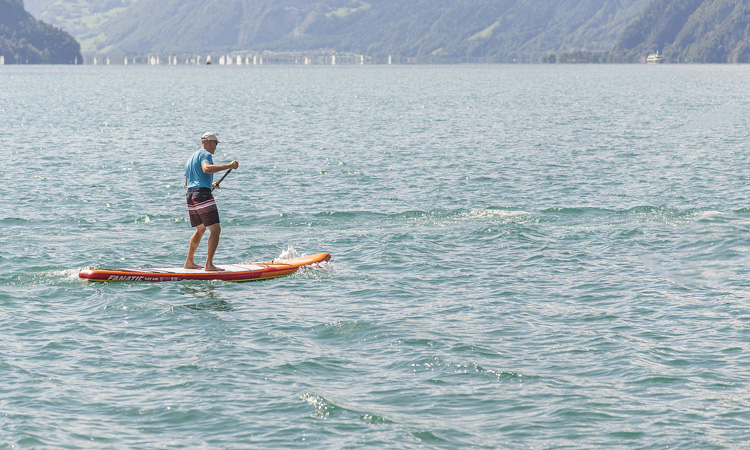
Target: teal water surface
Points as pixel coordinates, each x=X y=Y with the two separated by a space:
x=523 y=257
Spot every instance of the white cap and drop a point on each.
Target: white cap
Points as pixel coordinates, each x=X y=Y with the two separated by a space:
x=210 y=137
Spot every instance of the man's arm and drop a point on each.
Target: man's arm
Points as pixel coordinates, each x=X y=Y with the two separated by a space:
x=214 y=168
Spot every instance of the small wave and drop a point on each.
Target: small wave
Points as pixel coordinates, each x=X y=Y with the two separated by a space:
x=646 y=209
x=319 y=270
x=427 y=437
x=44 y=277
x=14 y=221
x=595 y=211
x=644 y=213
x=489 y=373
x=496 y=214
x=325 y=409
x=289 y=253
x=458 y=217
x=414 y=217
x=712 y=216
x=659 y=214
x=66 y=274
x=79 y=221
x=663 y=212
x=579 y=211
x=347 y=331
x=215 y=305
x=148 y=218
x=438 y=364
x=349 y=214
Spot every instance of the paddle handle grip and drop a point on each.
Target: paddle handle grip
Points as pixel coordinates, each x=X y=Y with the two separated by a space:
x=222 y=178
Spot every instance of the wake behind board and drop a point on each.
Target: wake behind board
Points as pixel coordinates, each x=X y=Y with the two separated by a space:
x=233 y=272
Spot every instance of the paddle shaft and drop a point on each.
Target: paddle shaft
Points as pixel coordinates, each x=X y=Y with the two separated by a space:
x=222 y=179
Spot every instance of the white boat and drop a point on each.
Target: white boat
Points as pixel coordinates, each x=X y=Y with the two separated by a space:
x=654 y=58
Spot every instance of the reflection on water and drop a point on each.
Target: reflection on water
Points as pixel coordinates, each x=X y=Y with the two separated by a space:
x=219 y=305
x=211 y=298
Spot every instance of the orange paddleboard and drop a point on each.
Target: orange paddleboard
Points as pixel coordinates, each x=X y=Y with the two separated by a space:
x=233 y=272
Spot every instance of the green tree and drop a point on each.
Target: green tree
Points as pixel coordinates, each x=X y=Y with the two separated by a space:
x=23 y=39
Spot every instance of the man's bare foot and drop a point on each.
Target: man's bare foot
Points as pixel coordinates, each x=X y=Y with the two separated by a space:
x=192 y=266
x=213 y=268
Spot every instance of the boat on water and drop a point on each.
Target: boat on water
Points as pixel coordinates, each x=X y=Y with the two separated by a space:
x=654 y=58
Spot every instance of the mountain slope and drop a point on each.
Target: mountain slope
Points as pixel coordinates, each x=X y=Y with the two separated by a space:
x=24 y=40
x=421 y=30
x=430 y=30
x=690 y=31
x=480 y=30
x=717 y=32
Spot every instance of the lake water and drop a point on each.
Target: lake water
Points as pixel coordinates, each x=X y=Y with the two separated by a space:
x=522 y=257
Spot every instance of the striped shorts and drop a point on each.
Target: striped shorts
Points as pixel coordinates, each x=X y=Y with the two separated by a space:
x=202 y=207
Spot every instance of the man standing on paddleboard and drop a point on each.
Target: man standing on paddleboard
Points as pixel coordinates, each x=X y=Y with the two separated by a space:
x=199 y=179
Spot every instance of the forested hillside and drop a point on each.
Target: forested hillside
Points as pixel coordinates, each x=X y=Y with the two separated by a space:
x=24 y=40
x=84 y=19
x=475 y=30
x=424 y=30
x=415 y=30
x=711 y=31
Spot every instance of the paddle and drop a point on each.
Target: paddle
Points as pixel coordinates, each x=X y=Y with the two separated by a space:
x=222 y=179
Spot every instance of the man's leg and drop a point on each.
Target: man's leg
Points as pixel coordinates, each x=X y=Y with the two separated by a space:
x=213 y=243
x=194 y=241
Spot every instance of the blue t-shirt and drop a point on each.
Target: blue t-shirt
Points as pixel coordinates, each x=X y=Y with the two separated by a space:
x=194 y=173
